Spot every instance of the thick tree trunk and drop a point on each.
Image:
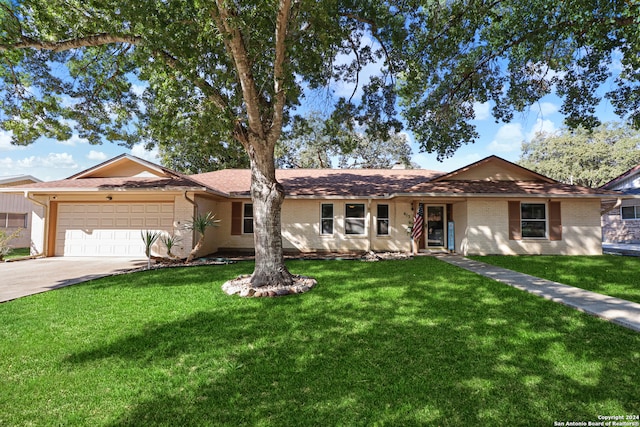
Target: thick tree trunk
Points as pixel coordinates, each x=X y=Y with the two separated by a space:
x=267 y=195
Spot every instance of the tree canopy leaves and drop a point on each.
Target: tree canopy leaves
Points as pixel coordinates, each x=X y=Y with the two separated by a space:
x=315 y=142
x=72 y=66
x=583 y=157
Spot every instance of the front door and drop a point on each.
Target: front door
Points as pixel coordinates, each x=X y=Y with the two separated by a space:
x=435 y=226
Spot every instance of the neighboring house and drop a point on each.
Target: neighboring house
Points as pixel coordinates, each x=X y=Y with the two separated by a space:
x=16 y=210
x=489 y=207
x=621 y=222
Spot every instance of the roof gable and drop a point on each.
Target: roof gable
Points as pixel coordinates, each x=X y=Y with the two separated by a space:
x=627 y=182
x=10 y=181
x=494 y=168
x=125 y=166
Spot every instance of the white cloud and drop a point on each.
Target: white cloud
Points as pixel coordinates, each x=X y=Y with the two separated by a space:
x=5 y=142
x=481 y=110
x=547 y=108
x=73 y=141
x=508 y=138
x=6 y=165
x=138 y=150
x=52 y=160
x=96 y=155
x=541 y=126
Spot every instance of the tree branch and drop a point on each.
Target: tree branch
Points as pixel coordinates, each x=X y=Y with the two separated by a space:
x=237 y=50
x=374 y=33
x=64 y=45
x=211 y=92
x=282 y=25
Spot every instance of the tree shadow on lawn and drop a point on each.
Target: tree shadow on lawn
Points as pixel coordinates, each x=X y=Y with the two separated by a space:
x=380 y=344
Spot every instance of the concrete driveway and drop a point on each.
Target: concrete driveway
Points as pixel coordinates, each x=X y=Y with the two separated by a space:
x=22 y=278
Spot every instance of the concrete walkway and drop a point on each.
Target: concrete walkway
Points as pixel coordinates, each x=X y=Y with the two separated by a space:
x=619 y=311
x=628 y=249
x=28 y=277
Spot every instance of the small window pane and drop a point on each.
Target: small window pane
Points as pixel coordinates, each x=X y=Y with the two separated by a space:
x=628 y=212
x=326 y=218
x=354 y=221
x=383 y=227
x=533 y=229
x=383 y=220
x=355 y=211
x=533 y=211
x=247 y=220
x=354 y=226
x=17 y=220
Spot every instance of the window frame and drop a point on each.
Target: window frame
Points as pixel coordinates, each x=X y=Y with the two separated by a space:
x=245 y=218
x=383 y=220
x=636 y=213
x=5 y=217
x=351 y=221
x=327 y=218
x=544 y=221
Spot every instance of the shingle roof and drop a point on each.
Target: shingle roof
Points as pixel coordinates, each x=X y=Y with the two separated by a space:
x=115 y=183
x=323 y=182
x=507 y=188
x=329 y=183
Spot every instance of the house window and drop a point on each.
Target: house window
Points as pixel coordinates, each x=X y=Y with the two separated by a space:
x=630 y=212
x=354 y=218
x=326 y=218
x=13 y=220
x=382 y=222
x=534 y=220
x=247 y=218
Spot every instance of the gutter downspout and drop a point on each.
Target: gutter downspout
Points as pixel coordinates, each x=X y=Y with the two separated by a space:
x=617 y=205
x=45 y=235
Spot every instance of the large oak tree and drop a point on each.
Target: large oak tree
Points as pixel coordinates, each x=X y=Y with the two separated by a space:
x=225 y=71
x=582 y=157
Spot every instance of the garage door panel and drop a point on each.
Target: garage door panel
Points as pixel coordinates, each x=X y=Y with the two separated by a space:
x=137 y=222
x=105 y=229
x=106 y=222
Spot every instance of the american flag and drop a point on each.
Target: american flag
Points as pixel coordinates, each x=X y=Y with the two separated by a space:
x=418 y=223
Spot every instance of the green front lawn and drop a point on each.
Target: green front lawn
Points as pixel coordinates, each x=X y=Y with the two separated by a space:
x=415 y=342
x=613 y=275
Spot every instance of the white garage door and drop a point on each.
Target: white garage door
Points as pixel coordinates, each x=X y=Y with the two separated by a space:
x=109 y=229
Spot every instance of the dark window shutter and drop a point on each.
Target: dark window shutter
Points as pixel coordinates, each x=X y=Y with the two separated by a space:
x=515 y=232
x=236 y=218
x=555 y=221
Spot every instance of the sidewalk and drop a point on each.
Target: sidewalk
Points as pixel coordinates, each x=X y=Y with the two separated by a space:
x=619 y=311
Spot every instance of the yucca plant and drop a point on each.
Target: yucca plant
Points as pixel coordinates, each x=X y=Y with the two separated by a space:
x=200 y=223
x=169 y=242
x=149 y=238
